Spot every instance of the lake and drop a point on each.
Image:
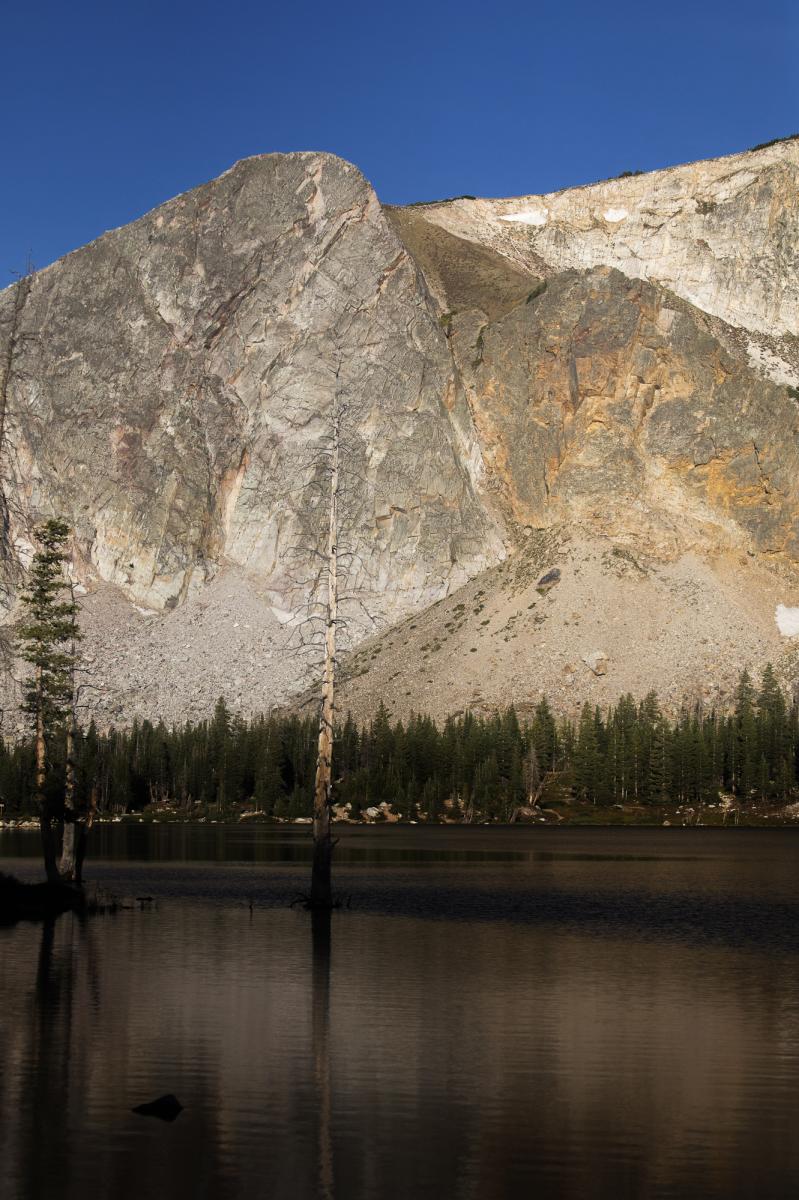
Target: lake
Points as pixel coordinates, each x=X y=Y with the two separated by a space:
x=526 y=1012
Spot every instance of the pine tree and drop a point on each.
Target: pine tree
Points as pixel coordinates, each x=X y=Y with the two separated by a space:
x=625 y=744
x=658 y=775
x=545 y=734
x=744 y=748
x=48 y=641
x=774 y=740
x=586 y=756
x=651 y=747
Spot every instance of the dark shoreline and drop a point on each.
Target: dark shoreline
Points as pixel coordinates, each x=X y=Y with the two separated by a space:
x=20 y=901
x=582 y=816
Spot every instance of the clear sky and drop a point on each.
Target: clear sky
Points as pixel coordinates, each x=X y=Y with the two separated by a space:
x=111 y=108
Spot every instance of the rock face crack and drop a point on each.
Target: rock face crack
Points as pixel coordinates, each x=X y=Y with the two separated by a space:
x=764 y=479
x=227 y=310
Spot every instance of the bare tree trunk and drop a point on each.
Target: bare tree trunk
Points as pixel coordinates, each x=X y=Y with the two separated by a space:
x=321 y=888
x=532 y=775
x=83 y=835
x=45 y=815
x=66 y=866
x=69 y=837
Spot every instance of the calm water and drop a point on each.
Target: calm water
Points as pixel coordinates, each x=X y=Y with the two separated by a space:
x=500 y=1013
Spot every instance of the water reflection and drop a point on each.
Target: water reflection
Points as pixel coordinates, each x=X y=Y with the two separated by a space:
x=320 y=932
x=41 y=1022
x=51 y=1022
x=414 y=1057
x=153 y=842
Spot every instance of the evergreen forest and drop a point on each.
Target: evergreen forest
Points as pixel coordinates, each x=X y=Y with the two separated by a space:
x=472 y=767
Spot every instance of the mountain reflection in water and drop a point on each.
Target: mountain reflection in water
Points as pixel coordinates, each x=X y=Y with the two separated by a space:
x=461 y=1032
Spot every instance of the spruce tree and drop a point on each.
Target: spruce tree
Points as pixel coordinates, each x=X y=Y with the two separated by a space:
x=774 y=737
x=48 y=641
x=586 y=756
x=744 y=748
x=545 y=735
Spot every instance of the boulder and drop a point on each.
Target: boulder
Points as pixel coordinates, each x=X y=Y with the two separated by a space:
x=548 y=581
x=597 y=662
x=165 y=1108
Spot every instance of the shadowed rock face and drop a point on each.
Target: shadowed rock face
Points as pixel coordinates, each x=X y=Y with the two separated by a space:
x=168 y=388
x=462 y=274
x=167 y=385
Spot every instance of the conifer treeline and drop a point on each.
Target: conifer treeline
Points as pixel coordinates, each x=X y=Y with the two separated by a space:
x=489 y=766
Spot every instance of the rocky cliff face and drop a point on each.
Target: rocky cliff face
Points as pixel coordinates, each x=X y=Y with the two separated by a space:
x=607 y=363
x=608 y=401
x=722 y=234
x=169 y=385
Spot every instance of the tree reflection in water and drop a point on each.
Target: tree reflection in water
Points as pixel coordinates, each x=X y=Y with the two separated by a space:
x=320 y=934
x=67 y=956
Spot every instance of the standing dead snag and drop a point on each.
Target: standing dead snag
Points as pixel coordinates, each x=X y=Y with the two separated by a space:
x=48 y=641
x=328 y=567
x=77 y=820
x=321 y=886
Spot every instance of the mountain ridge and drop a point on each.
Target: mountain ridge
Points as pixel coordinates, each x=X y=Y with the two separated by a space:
x=165 y=387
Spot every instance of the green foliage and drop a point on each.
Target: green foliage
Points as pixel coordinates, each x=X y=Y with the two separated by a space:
x=483 y=767
x=446 y=200
x=49 y=634
x=775 y=142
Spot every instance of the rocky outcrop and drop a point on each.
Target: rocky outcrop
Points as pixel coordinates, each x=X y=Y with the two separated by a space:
x=722 y=234
x=611 y=364
x=462 y=274
x=609 y=402
x=166 y=389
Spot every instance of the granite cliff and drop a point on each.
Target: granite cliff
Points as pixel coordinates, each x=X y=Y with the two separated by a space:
x=723 y=234
x=584 y=380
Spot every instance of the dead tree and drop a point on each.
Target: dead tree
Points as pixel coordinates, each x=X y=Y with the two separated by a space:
x=78 y=818
x=535 y=784
x=324 y=562
x=66 y=866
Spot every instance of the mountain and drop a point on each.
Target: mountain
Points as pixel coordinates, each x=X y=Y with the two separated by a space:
x=601 y=381
x=721 y=234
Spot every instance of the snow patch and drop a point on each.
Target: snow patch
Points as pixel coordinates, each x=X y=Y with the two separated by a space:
x=787 y=620
x=530 y=216
x=615 y=214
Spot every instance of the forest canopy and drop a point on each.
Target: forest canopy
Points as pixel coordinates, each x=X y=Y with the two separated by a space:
x=476 y=766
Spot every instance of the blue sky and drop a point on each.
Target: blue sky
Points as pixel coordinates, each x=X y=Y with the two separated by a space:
x=111 y=109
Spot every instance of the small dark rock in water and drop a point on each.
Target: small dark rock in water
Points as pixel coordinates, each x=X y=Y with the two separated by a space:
x=166 y=1108
x=548 y=581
